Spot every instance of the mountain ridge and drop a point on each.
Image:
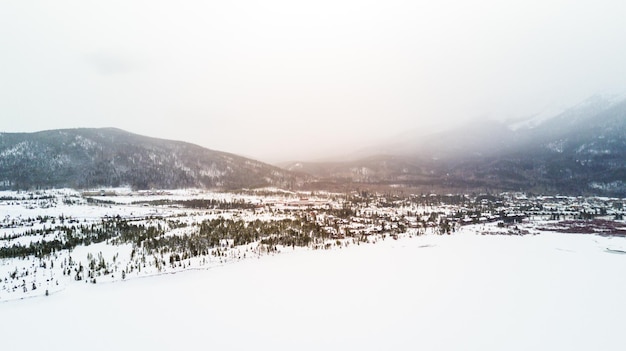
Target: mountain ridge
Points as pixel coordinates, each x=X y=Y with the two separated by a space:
x=581 y=150
x=96 y=157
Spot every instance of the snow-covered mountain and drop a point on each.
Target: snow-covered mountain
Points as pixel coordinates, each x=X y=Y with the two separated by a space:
x=87 y=158
x=593 y=105
x=581 y=150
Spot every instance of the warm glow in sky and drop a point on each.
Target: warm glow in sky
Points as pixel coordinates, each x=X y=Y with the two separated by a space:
x=280 y=80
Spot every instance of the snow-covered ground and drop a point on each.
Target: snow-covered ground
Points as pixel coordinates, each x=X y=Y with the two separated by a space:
x=459 y=292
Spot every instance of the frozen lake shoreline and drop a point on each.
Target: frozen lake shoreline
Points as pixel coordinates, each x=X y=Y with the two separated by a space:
x=463 y=291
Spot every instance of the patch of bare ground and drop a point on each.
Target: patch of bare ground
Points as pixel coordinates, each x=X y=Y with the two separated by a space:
x=601 y=227
x=510 y=231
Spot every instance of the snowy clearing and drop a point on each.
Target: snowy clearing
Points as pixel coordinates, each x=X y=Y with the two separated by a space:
x=458 y=292
x=191 y=269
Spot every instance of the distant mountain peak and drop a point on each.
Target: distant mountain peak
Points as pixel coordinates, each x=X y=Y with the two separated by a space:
x=591 y=106
x=579 y=150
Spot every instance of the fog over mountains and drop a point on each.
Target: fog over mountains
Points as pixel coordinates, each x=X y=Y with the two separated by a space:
x=579 y=151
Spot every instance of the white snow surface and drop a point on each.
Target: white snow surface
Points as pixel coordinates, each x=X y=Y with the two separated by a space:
x=594 y=104
x=459 y=292
x=536 y=119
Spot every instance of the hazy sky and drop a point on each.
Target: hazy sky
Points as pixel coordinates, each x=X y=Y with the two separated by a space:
x=289 y=79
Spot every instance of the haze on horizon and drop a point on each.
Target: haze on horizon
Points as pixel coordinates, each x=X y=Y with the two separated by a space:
x=281 y=80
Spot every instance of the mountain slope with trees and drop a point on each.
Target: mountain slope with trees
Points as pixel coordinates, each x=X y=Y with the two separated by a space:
x=88 y=158
x=580 y=151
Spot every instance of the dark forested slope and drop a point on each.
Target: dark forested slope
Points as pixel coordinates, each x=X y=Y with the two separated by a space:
x=87 y=158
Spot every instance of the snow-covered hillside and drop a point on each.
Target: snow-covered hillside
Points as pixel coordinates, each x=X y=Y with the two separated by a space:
x=592 y=106
x=86 y=158
x=578 y=150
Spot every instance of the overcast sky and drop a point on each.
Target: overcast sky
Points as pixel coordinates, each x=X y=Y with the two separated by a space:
x=280 y=80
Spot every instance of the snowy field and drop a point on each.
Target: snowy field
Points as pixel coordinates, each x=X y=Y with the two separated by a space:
x=458 y=292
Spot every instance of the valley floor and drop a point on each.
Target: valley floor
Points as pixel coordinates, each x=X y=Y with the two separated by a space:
x=294 y=271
